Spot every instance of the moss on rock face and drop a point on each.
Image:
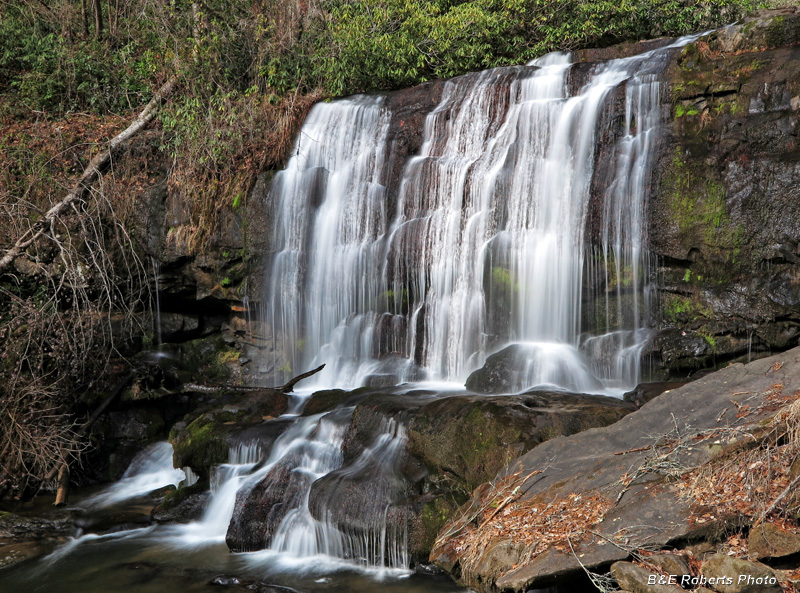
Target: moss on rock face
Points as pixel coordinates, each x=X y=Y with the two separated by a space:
x=204 y=440
x=202 y=444
x=696 y=199
x=457 y=443
x=722 y=216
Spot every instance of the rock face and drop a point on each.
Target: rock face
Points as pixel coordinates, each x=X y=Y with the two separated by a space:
x=724 y=217
x=622 y=473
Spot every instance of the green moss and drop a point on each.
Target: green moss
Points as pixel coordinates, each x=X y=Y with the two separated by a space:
x=176 y=497
x=775 y=34
x=201 y=444
x=681 y=309
x=501 y=278
x=709 y=338
x=396 y=301
x=697 y=203
x=435 y=515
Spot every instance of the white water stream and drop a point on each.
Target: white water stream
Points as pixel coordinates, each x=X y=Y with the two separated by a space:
x=150 y=470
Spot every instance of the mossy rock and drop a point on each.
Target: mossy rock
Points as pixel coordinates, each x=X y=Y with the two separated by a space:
x=204 y=359
x=434 y=516
x=206 y=439
x=324 y=401
x=202 y=444
x=457 y=443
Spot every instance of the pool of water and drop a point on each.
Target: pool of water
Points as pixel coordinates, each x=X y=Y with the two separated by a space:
x=156 y=560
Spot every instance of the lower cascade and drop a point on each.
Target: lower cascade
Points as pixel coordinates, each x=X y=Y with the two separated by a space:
x=150 y=470
x=519 y=222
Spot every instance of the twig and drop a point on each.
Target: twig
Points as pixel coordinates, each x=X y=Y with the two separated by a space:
x=792 y=485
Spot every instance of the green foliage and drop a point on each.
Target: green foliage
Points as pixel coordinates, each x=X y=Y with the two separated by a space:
x=382 y=44
x=51 y=68
x=230 y=47
x=680 y=309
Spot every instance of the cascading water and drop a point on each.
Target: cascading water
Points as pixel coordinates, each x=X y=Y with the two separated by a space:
x=504 y=231
x=325 y=280
x=368 y=536
x=150 y=470
x=225 y=481
x=307 y=454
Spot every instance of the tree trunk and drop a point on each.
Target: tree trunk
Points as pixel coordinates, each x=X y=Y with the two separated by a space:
x=98 y=19
x=85 y=15
x=63 y=485
x=289 y=387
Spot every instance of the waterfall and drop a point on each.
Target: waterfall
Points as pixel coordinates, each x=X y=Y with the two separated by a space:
x=519 y=222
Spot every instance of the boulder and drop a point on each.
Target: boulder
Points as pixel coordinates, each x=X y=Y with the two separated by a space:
x=637 y=579
x=183 y=505
x=768 y=540
x=324 y=401
x=507 y=371
x=672 y=564
x=447 y=447
x=735 y=575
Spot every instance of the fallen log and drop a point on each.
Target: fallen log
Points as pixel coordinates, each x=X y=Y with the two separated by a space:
x=90 y=175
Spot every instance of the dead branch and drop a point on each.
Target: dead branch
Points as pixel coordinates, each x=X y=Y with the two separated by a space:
x=790 y=488
x=92 y=173
x=63 y=468
x=290 y=385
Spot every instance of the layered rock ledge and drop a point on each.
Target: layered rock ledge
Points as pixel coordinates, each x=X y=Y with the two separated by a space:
x=667 y=475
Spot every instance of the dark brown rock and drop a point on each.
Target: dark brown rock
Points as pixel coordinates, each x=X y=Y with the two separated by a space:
x=724 y=212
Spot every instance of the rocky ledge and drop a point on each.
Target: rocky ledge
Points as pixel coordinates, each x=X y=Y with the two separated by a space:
x=710 y=466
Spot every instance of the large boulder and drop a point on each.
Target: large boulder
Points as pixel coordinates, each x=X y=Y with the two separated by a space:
x=590 y=498
x=453 y=444
x=411 y=460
